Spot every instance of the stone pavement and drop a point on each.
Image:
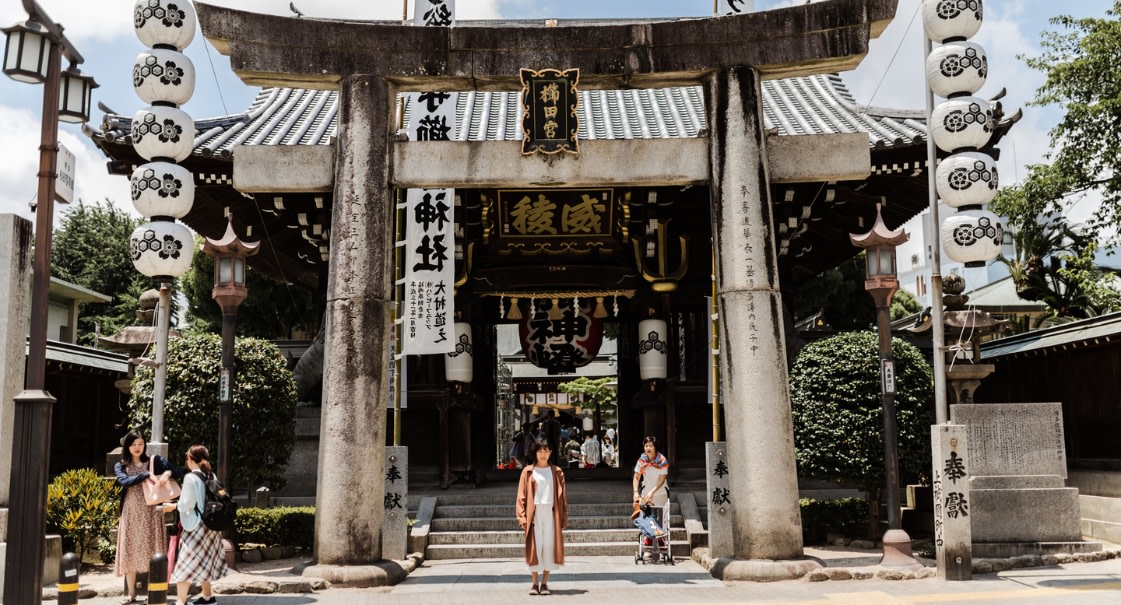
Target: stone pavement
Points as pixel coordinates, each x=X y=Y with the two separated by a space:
x=617 y=580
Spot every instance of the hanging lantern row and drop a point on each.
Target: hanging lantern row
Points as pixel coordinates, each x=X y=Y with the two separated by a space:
x=962 y=125
x=164 y=135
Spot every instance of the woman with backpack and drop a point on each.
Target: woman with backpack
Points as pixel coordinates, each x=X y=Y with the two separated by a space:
x=201 y=556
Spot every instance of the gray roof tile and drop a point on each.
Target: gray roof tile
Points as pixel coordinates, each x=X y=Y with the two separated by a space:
x=794 y=106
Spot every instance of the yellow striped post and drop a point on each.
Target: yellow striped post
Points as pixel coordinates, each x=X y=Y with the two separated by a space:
x=157 y=580
x=68 y=579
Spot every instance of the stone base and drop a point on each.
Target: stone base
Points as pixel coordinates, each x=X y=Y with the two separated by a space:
x=1006 y=550
x=382 y=573
x=1025 y=515
x=763 y=570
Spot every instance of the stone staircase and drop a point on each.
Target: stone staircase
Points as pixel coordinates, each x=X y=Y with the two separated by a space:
x=482 y=526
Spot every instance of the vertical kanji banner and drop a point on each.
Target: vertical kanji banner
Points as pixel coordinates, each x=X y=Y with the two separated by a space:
x=437 y=13
x=429 y=253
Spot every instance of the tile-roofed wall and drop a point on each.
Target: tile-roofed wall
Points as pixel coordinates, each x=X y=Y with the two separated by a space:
x=794 y=106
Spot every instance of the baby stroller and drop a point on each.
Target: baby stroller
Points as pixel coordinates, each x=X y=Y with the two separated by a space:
x=653 y=536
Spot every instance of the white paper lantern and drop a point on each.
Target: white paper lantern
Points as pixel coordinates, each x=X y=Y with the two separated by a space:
x=962 y=123
x=160 y=75
x=951 y=19
x=957 y=67
x=652 y=349
x=164 y=22
x=459 y=365
x=972 y=237
x=162 y=249
x=967 y=179
x=163 y=189
x=163 y=132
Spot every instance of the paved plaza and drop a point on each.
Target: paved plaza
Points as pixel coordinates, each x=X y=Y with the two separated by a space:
x=617 y=580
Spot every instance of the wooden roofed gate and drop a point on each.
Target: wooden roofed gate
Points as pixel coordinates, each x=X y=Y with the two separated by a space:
x=368 y=64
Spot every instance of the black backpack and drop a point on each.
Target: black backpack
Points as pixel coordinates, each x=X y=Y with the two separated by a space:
x=219 y=510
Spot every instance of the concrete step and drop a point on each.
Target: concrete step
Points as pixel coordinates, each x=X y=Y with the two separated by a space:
x=571 y=536
x=507 y=497
x=1101 y=518
x=517 y=551
x=599 y=522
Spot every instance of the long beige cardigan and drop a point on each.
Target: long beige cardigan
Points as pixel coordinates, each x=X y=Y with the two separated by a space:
x=525 y=509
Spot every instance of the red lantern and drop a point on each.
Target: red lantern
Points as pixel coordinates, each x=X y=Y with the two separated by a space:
x=560 y=337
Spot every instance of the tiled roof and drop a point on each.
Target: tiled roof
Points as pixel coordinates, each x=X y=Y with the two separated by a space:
x=807 y=105
x=1094 y=331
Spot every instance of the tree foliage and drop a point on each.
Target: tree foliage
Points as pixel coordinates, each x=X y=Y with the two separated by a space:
x=838 y=418
x=271 y=309
x=90 y=249
x=839 y=295
x=264 y=406
x=1080 y=64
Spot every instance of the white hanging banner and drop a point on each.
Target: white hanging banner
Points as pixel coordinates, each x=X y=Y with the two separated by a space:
x=438 y=13
x=433 y=116
x=429 y=271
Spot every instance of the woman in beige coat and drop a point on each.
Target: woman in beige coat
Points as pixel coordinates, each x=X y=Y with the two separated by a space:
x=542 y=511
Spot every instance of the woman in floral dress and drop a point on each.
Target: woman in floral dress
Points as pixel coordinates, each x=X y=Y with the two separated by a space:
x=140 y=533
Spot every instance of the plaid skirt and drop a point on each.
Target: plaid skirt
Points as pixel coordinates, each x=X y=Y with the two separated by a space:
x=201 y=556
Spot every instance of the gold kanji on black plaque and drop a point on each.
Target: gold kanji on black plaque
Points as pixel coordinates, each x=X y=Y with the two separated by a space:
x=549 y=104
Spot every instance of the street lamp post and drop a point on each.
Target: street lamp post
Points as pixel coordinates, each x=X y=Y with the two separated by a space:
x=33 y=53
x=881 y=282
x=229 y=254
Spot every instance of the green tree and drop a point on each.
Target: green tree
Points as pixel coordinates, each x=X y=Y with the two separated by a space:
x=264 y=406
x=840 y=296
x=271 y=309
x=594 y=393
x=838 y=413
x=904 y=304
x=1080 y=65
x=90 y=249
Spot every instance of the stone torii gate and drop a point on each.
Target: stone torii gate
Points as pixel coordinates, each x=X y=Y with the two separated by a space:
x=369 y=63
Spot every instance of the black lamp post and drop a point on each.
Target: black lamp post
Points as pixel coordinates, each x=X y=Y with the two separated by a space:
x=33 y=53
x=229 y=254
x=882 y=283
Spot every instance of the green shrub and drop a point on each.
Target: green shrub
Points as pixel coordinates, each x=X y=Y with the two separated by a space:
x=280 y=526
x=106 y=550
x=83 y=507
x=264 y=406
x=845 y=516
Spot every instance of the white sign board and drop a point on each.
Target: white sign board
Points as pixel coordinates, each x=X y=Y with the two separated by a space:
x=64 y=185
x=434 y=13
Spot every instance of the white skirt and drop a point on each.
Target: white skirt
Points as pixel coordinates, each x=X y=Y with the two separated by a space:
x=543 y=538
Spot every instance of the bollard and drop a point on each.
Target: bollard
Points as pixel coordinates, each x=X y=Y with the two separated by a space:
x=261 y=499
x=68 y=579
x=157 y=580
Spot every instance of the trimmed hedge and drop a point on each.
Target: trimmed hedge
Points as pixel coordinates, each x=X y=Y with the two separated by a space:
x=845 y=516
x=279 y=526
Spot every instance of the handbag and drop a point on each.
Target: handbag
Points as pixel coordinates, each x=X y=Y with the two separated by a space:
x=155 y=494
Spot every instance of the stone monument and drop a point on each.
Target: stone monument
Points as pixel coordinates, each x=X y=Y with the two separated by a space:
x=1017 y=460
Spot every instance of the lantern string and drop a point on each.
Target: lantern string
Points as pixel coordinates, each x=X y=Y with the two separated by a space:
x=551 y=294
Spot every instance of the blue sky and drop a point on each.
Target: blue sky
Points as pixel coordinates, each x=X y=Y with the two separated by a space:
x=891 y=75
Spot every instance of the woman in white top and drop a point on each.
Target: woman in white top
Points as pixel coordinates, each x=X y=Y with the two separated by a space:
x=542 y=511
x=653 y=469
x=201 y=557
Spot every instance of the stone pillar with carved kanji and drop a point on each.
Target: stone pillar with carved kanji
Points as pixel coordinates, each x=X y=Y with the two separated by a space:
x=350 y=491
x=762 y=476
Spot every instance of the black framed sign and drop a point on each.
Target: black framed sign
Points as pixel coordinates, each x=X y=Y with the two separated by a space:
x=549 y=104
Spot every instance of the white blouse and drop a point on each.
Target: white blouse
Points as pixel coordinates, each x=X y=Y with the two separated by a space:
x=543 y=477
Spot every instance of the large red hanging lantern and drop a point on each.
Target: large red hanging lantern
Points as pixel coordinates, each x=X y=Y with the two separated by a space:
x=560 y=335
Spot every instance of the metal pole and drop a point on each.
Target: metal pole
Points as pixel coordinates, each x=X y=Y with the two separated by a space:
x=32 y=414
x=225 y=399
x=159 y=384
x=891 y=441
x=941 y=415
